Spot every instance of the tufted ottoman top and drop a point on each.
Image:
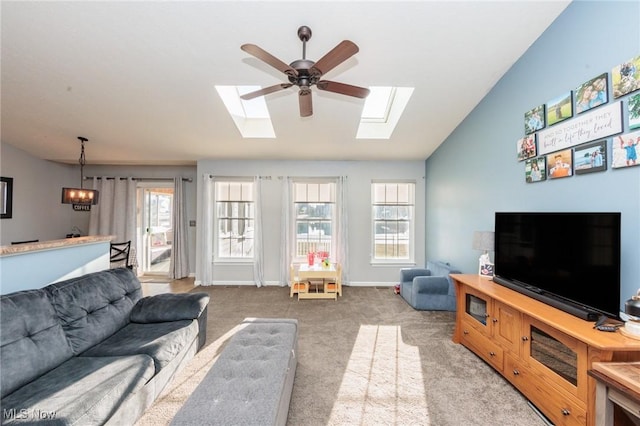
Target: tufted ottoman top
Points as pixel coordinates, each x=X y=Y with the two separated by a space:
x=249 y=380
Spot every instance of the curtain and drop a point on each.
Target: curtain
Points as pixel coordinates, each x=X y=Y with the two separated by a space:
x=179 y=262
x=258 y=252
x=204 y=268
x=115 y=213
x=342 y=249
x=286 y=240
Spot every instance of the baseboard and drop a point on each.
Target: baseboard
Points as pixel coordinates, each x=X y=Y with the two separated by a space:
x=277 y=283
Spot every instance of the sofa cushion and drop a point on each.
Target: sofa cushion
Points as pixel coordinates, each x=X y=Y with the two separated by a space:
x=94 y=306
x=81 y=391
x=161 y=341
x=169 y=307
x=32 y=341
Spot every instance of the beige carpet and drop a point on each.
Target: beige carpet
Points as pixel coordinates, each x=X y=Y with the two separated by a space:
x=366 y=359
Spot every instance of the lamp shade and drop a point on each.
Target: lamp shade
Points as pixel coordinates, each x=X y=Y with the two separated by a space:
x=80 y=196
x=483 y=240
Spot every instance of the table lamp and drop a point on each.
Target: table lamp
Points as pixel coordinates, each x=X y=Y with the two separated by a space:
x=632 y=310
x=483 y=241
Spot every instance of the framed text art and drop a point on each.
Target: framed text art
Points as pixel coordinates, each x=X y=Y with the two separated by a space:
x=593 y=125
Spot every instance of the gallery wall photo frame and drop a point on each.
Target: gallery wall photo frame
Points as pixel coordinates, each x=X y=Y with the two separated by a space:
x=534 y=120
x=592 y=93
x=625 y=77
x=626 y=150
x=590 y=157
x=535 y=170
x=526 y=147
x=6 y=197
x=559 y=108
x=560 y=164
x=633 y=106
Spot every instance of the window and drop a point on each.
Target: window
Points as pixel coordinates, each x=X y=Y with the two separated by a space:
x=314 y=212
x=234 y=220
x=392 y=214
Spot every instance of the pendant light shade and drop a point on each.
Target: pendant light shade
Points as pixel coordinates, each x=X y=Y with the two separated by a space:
x=80 y=196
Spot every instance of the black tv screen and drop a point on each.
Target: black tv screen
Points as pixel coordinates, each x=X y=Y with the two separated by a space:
x=568 y=260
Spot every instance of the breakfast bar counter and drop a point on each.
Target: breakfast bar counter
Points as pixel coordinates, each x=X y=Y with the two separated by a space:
x=34 y=265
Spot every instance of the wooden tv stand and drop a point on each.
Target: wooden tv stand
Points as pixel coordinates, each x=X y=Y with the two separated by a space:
x=543 y=351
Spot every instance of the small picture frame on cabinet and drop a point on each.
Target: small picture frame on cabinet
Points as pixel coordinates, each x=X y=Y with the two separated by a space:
x=486 y=270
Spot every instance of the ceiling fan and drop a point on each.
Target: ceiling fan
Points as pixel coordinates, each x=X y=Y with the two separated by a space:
x=305 y=73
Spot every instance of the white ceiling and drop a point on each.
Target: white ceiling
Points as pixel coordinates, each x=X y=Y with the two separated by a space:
x=137 y=78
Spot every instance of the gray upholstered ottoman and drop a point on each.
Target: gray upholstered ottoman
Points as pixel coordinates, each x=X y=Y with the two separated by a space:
x=252 y=379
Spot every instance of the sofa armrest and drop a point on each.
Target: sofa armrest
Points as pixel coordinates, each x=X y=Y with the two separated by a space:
x=431 y=285
x=408 y=274
x=169 y=307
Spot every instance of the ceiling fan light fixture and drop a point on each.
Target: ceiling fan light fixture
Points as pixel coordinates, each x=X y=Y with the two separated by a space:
x=305 y=73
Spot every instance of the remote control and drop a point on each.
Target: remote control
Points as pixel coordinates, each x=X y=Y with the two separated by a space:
x=609 y=328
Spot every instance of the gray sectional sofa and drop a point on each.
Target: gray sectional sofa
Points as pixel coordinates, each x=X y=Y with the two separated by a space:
x=429 y=288
x=91 y=350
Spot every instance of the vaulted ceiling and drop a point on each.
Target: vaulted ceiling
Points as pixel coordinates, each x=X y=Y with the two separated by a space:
x=137 y=78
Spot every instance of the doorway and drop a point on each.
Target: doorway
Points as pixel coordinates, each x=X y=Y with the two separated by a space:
x=155 y=227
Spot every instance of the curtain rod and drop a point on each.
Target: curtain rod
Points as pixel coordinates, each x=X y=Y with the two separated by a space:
x=184 y=179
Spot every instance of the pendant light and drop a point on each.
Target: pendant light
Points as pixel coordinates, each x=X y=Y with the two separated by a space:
x=80 y=196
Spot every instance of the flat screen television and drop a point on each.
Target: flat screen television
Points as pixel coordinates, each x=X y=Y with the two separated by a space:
x=568 y=260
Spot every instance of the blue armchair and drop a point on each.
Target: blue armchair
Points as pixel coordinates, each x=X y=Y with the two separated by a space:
x=429 y=288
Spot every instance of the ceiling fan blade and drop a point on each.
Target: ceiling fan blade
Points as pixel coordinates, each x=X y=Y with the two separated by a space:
x=306 y=104
x=265 y=91
x=343 y=51
x=268 y=58
x=344 y=89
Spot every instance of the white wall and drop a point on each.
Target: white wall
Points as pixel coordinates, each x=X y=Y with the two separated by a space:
x=37 y=186
x=359 y=175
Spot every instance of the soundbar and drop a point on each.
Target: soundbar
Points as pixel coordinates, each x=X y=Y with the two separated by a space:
x=567 y=306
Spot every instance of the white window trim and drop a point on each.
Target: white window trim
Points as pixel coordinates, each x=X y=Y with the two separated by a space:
x=216 y=229
x=412 y=237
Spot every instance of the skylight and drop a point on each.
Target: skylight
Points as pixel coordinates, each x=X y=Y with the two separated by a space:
x=380 y=115
x=382 y=111
x=250 y=117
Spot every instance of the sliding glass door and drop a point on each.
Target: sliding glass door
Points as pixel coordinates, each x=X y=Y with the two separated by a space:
x=154 y=223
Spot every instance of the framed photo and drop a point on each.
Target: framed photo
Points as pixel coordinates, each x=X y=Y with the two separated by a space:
x=560 y=164
x=535 y=170
x=625 y=78
x=526 y=147
x=633 y=104
x=559 y=108
x=486 y=270
x=592 y=93
x=6 y=197
x=626 y=150
x=534 y=120
x=590 y=157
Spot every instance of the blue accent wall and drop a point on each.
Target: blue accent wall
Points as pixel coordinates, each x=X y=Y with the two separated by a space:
x=475 y=172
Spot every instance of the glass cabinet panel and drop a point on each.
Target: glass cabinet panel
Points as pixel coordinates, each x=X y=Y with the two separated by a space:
x=555 y=355
x=477 y=308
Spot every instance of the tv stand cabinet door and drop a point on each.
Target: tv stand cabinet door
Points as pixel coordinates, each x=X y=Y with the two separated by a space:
x=507 y=330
